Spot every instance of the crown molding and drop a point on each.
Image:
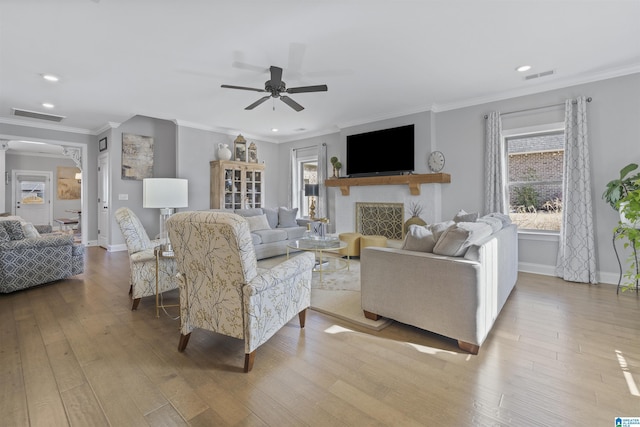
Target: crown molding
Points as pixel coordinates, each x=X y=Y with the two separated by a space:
x=539 y=88
x=385 y=116
x=48 y=126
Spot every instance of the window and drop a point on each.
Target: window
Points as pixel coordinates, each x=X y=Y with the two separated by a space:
x=535 y=174
x=309 y=171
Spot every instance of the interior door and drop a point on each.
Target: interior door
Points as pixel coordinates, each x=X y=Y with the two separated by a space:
x=32 y=196
x=103 y=200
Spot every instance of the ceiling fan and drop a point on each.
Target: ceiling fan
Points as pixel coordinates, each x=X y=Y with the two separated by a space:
x=276 y=87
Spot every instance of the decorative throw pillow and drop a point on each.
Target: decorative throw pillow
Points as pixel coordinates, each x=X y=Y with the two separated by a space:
x=29 y=230
x=272 y=216
x=456 y=239
x=4 y=236
x=249 y=212
x=419 y=239
x=287 y=217
x=14 y=229
x=258 y=222
x=493 y=222
x=438 y=228
x=502 y=217
x=463 y=216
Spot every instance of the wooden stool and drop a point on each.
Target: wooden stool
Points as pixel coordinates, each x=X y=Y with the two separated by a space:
x=353 y=244
x=378 y=241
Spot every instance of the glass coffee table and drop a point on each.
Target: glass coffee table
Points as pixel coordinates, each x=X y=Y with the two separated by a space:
x=324 y=263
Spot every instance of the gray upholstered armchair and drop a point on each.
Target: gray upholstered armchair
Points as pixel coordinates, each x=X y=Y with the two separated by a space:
x=142 y=260
x=223 y=290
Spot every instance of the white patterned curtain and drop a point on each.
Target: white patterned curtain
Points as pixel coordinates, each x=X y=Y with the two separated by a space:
x=322 y=206
x=576 y=254
x=495 y=174
x=294 y=184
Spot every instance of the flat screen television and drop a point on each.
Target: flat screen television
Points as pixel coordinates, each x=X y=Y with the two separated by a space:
x=381 y=152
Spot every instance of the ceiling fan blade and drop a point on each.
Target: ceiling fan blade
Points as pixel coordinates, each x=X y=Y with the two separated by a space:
x=250 y=67
x=243 y=88
x=276 y=76
x=291 y=103
x=258 y=102
x=301 y=89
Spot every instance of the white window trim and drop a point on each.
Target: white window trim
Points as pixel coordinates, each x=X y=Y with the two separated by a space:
x=528 y=233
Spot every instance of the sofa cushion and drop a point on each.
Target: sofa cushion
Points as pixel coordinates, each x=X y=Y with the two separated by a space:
x=463 y=216
x=272 y=216
x=14 y=229
x=258 y=222
x=419 y=238
x=439 y=227
x=256 y=239
x=270 y=236
x=248 y=212
x=456 y=239
x=4 y=236
x=493 y=222
x=294 y=233
x=287 y=217
x=29 y=230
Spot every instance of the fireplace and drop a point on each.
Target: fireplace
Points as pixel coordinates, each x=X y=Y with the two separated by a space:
x=382 y=219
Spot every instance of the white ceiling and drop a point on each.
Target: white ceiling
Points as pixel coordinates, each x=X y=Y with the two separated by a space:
x=380 y=59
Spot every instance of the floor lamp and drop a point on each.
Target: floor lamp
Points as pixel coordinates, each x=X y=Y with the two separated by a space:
x=312 y=190
x=165 y=194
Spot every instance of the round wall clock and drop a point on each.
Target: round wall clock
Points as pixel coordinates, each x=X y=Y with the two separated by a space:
x=436 y=161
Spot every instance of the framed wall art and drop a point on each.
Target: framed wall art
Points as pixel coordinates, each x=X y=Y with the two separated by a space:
x=240 y=149
x=252 y=153
x=68 y=187
x=137 y=156
x=102 y=144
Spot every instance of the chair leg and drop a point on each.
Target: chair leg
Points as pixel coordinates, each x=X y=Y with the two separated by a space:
x=302 y=316
x=471 y=348
x=184 y=340
x=371 y=316
x=134 y=306
x=248 y=360
x=130 y=289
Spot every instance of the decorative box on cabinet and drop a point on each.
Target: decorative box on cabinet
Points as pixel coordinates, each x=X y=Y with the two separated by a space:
x=236 y=185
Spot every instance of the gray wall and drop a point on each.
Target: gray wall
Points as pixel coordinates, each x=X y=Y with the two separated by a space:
x=164 y=166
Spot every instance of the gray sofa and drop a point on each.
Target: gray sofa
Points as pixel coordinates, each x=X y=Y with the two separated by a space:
x=456 y=296
x=270 y=238
x=31 y=260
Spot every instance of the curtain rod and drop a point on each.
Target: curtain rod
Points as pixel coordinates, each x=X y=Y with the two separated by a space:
x=486 y=116
x=306 y=148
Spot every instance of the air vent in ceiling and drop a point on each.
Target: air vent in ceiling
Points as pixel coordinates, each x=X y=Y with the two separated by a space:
x=542 y=74
x=37 y=115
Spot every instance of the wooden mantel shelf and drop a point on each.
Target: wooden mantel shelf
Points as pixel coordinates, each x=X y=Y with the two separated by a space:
x=413 y=181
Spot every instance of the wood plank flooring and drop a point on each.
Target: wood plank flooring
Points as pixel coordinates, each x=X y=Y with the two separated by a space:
x=73 y=353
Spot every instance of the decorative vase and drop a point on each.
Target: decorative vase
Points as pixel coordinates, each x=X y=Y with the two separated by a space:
x=413 y=220
x=224 y=153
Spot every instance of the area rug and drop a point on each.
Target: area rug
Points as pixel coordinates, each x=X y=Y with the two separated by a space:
x=338 y=294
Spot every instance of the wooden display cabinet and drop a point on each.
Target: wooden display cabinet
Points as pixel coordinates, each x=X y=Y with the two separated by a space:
x=236 y=185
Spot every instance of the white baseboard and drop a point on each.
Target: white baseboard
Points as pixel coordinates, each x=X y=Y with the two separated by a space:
x=117 y=248
x=549 y=270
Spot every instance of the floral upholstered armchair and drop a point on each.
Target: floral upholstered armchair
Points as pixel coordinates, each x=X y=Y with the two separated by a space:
x=223 y=290
x=142 y=260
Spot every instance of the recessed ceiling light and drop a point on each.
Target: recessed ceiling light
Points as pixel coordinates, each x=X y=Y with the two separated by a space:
x=523 y=68
x=47 y=105
x=50 y=77
x=274 y=129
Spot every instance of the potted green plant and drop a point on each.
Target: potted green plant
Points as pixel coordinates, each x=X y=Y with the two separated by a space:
x=336 y=166
x=623 y=195
x=620 y=187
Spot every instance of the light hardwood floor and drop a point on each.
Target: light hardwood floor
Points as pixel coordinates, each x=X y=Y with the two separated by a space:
x=73 y=353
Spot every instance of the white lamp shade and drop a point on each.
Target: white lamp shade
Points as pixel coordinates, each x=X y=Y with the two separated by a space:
x=165 y=193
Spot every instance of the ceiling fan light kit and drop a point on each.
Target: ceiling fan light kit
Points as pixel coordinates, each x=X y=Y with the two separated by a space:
x=275 y=87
